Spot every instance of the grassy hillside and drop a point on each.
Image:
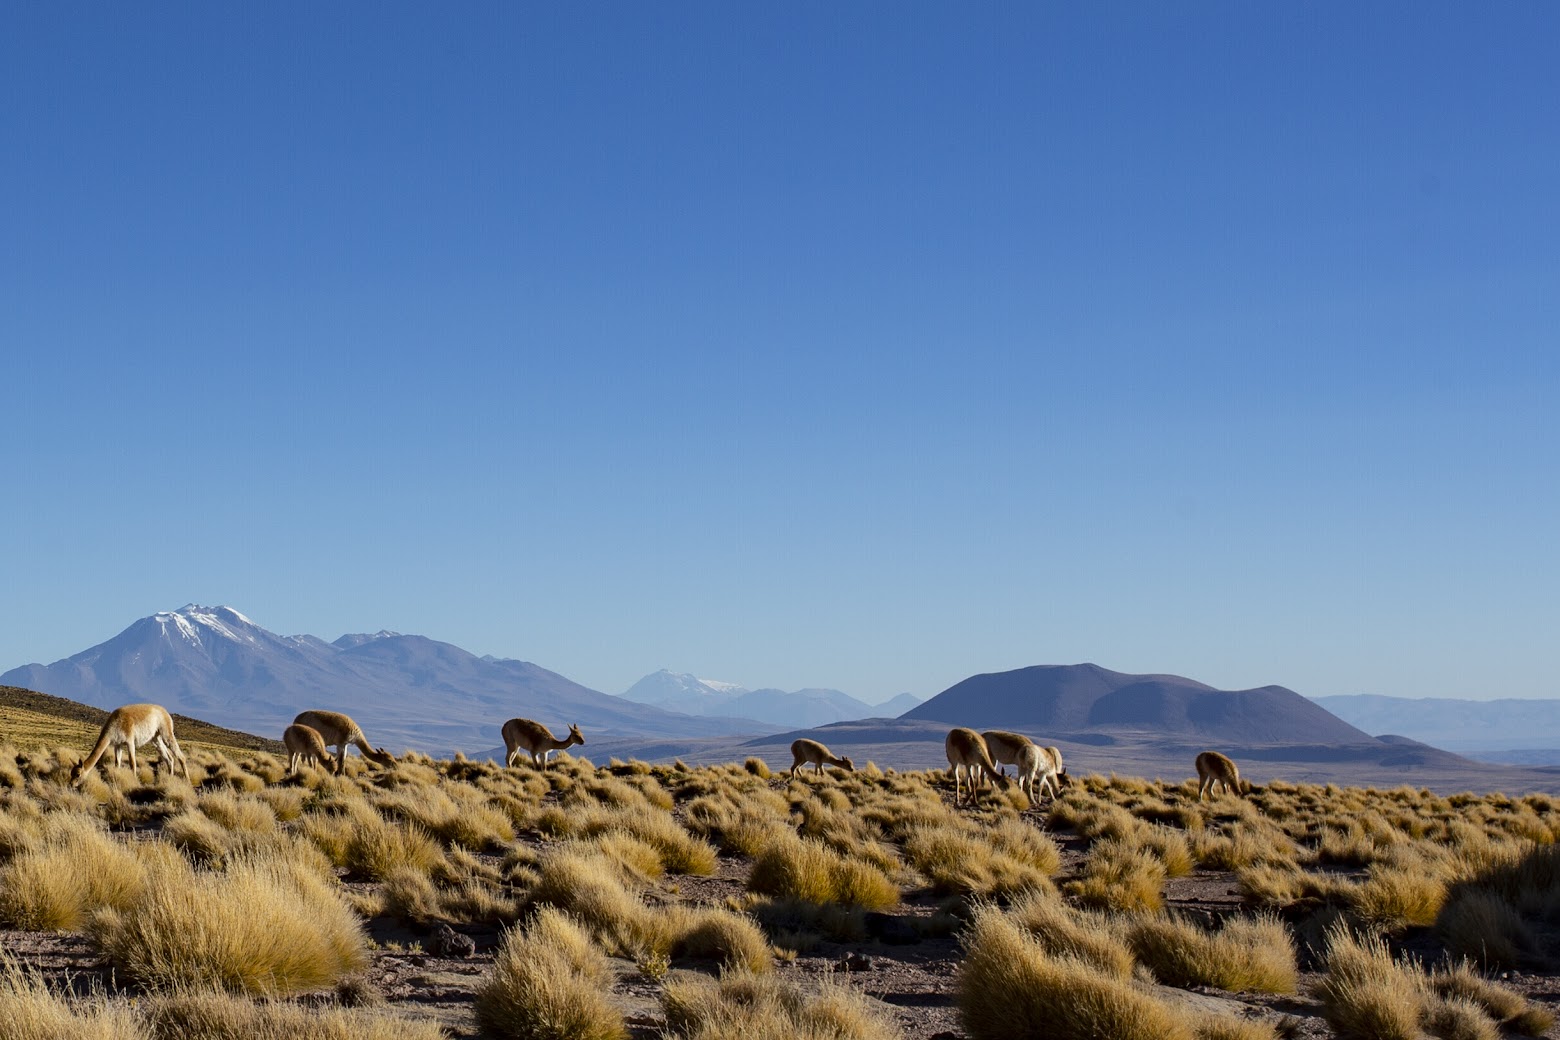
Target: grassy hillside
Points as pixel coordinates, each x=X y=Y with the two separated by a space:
x=31 y=719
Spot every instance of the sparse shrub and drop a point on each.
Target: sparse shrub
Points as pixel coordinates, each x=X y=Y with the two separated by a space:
x=1119 y=875
x=548 y=983
x=1396 y=896
x=758 y=767
x=1244 y=956
x=1227 y=1027
x=73 y=869
x=208 y=1015
x=589 y=886
x=1062 y=931
x=1365 y=993
x=957 y=858
x=1009 y=986
x=720 y=935
x=376 y=848
x=1506 y=1006
x=797 y=924
x=804 y=869
x=681 y=852
x=30 y=1010
x=762 y=1007
x=261 y=928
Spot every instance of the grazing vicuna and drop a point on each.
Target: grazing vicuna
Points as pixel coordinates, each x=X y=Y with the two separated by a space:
x=536 y=740
x=967 y=752
x=1005 y=746
x=131 y=726
x=1041 y=767
x=304 y=744
x=804 y=751
x=338 y=729
x=1214 y=769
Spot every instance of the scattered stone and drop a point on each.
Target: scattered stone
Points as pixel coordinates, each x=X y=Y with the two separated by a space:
x=447 y=942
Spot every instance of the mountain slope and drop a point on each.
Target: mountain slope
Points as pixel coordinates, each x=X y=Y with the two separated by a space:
x=1461 y=725
x=1086 y=698
x=685 y=692
x=31 y=718
x=406 y=691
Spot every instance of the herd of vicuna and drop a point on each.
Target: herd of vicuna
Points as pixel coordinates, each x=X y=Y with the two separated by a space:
x=972 y=756
x=307 y=740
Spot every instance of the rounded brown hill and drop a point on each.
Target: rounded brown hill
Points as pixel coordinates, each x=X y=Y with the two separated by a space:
x=1080 y=698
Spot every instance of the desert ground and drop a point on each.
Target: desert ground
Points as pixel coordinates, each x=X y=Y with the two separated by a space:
x=459 y=898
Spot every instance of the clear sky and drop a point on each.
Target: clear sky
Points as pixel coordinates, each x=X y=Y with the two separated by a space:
x=866 y=346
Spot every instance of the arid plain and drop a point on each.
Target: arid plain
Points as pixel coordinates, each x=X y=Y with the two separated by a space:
x=465 y=899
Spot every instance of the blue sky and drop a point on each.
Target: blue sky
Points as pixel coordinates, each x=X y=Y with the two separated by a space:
x=794 y=346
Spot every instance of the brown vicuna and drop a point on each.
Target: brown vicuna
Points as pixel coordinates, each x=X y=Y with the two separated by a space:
x=1005 y=746
x=131 y=726
x=1216 y=769
x=804 y=751
x=338 y=729
x=1041 y=767
x=967 y=752
x=304 y=744
x=536 y=740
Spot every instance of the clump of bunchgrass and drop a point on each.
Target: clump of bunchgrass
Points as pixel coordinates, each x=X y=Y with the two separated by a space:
x=711 y=933
x=1365 y=993
x=1008 y=985
x=260 y=928
x=1246 y=955
x=1506 y=1006
x=1120 y=875
x=1061 y=931
x=797 y=868
x=213 y=1015
x=31 y=1010
x=763 y=1007
x=72 y=869
x=549 y=982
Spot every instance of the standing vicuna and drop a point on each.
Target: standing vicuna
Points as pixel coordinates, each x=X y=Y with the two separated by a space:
x=967 y=751
x=1041 y=767
x=304 y=744
x=804 y=751
x=338 y=729
x=1214 y=769
x=131 y=726
x=1005 y=746
x=536 y=740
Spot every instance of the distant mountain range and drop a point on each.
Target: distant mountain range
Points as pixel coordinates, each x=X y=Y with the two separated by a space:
x=1504 y=730
x=684 y=692
x=406 y=691
x=1086 y=699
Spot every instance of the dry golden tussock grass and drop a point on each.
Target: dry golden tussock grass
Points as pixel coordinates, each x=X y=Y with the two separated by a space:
x=1008 y=985
x=798 y=868
x=1369 y=995
x=31 y=1010
x=263 y=927
x=548 y=983
x=1062 y=931
x=69 y=870
x=1120 y=875
x=206 y=1015
x=763 y=1007
x=1246 y=955
x=708 y=933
